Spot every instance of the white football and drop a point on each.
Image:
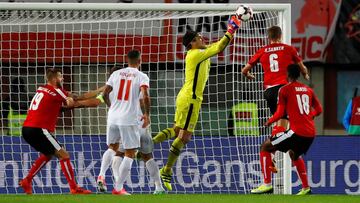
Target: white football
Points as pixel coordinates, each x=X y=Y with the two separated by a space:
x=244 y=13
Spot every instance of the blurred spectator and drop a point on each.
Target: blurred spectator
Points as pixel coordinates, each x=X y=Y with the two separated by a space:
x=351 y=119
x=14 y=107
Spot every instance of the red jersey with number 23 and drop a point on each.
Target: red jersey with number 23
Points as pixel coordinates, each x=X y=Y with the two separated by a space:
x=45 y=107
x=301 y=105
x=275 y=58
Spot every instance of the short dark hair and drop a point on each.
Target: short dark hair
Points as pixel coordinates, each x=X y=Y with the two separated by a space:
x=274 y=33
x=51 y=73
x=133 y=56
x=188 y=38
x=293 y=71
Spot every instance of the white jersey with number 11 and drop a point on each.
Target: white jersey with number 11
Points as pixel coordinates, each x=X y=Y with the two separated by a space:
x=125 y=96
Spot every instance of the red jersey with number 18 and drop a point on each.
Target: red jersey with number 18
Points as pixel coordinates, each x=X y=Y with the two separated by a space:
x=275 y=58
x=45 y=107
x=301 y=106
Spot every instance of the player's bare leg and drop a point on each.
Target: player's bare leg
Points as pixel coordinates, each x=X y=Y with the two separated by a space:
x=153 y=170
x=166 y=134
x=105 y=164
x=36 y=167
x=175 y=149
x=299 y=163
x=68 y=171
x=265 y=162
x=124 y=171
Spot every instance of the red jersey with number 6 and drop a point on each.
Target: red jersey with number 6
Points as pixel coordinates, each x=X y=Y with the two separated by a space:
x=301 y=105
x=45 y=107
x=275 y=58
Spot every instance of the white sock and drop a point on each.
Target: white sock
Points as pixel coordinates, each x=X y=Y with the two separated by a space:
x=106 y=161
x=153 y=169
x=124 y=171
x=115 y=166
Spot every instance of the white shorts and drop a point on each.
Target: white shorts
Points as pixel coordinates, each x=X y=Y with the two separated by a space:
x=128 y=135
x=146 y=143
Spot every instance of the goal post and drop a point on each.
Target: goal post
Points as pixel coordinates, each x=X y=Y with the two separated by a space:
x=85 y=40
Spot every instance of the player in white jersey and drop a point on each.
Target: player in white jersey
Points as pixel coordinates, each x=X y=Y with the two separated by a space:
x=122 y=95
x=145 y=150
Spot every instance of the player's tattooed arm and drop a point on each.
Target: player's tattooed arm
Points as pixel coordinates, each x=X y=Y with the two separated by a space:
x=145 y=106
x=145 y=100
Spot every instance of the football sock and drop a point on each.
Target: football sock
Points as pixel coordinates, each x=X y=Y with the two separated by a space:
x=153 y=169
x=124 y=171
x=174 y=153
x=116 y=166
x=265 y=163
x=68 y=172
x=106 y=161
x=38 y=164
x=165 y=134
x=301 y=169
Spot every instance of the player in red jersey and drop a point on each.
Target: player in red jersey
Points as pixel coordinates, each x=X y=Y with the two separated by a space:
x=301 y=105
x=274 y=59
x=40 y=123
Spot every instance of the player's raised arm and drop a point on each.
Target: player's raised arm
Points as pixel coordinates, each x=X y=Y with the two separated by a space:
x=216 y=47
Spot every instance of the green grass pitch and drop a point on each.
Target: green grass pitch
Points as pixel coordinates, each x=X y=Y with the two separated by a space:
x=180 y=198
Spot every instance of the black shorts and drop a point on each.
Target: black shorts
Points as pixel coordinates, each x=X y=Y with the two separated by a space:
x=271 y=96
x=288 y=140
x=41 y=140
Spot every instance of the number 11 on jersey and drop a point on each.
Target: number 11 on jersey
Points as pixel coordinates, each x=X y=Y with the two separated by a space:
x=121 y=90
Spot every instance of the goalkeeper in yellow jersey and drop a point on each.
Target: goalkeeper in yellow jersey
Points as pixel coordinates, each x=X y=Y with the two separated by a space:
x=189 y=99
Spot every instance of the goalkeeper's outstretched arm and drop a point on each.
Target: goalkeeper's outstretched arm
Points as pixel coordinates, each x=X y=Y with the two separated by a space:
x=219 y=46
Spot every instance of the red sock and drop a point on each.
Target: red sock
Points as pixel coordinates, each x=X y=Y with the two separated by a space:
x=265 y=163
x=68 y=172
x=301 y=169
x=37 y=165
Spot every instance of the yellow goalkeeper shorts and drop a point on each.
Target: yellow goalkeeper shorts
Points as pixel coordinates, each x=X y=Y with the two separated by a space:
x=187 y=113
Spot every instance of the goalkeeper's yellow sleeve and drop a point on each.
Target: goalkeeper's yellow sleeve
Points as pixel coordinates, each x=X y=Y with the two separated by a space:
x=215 y=48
